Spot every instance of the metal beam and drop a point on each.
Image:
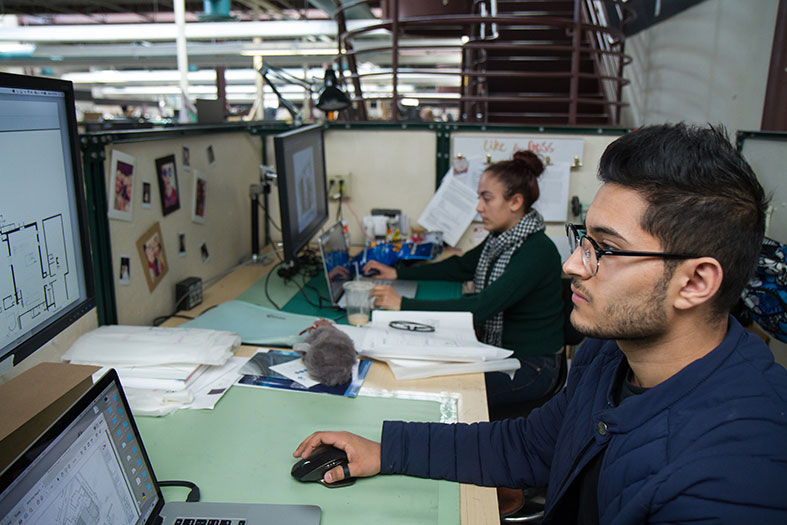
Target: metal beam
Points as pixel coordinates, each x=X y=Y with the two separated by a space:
x=286 y=29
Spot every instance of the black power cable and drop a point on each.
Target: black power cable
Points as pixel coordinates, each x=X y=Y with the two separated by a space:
x=193 y=495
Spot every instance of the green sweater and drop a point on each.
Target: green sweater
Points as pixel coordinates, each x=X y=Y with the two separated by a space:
x=529 y=293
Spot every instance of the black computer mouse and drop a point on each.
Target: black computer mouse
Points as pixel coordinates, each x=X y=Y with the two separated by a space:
x=320 y=461
x=372 y=272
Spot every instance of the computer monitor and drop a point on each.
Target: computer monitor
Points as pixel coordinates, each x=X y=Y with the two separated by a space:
x=303 y=199
x=46 y=277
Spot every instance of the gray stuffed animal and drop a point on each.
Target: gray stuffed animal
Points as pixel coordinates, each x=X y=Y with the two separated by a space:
x=329 y=354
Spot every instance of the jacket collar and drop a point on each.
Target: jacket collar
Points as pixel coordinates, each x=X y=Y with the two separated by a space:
x=642 y=408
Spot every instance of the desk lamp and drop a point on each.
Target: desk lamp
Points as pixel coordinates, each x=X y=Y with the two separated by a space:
x=332 y=98
x=297 y=118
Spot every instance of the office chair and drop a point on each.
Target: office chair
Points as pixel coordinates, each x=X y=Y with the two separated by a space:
x=526 y=506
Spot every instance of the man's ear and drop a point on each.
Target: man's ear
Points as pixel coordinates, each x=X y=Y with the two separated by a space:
x=699 y=280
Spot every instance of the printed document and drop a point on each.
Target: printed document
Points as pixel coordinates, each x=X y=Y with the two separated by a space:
x=451 y=210
x=453 y=338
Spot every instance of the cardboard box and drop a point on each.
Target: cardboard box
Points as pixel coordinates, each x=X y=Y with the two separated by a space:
x=31 y=402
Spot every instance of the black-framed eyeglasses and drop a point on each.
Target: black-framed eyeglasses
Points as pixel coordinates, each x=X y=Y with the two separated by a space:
x=411 y=326
x=592 y=252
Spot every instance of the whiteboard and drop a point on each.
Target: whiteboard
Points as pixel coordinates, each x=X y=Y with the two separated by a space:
x=557 y=153
x=767 y=157
x=503 y=147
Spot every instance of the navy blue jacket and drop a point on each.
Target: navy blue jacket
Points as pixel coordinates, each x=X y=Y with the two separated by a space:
x=708 y=445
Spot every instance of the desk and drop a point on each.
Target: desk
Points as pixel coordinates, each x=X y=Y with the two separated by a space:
x=478 y=505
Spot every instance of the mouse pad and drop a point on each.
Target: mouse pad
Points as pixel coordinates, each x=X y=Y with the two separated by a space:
x=241 y=451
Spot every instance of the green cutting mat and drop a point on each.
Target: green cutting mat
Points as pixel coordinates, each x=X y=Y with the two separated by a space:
x=242 y=452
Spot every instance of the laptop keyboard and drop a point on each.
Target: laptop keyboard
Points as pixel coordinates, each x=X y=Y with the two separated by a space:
x=206 y=521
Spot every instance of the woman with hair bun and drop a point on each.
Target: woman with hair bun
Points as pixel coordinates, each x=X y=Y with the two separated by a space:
x=517 y=302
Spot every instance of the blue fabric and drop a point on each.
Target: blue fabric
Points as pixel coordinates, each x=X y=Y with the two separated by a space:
x=534 y=380
x=766 y=293
x=708 y=445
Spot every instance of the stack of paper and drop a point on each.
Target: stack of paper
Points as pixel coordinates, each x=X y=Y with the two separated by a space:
x=157 y=358
x=451 y=348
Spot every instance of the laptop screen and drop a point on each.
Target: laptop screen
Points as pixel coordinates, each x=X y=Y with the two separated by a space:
x=89 y=467
x=336 y=260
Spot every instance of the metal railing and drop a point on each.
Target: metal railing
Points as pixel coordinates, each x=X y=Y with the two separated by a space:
x=602 y=44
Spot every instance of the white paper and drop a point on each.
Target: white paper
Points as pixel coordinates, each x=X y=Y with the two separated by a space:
x=452 y=340
x=116 y=345
x=146 y=383
x=451 y=210
x=180 y=371
x=470 y=178
x=215 y=382
x=145 y=402
x=203 y=393
x=553 y=184
x=411 y=369
x=296 y=371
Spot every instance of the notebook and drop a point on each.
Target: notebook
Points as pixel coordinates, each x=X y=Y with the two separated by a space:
x=336 y=265
x=90 y=466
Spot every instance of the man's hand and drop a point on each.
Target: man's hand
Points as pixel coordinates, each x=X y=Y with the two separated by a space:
x=363 y=455
x=386 y=272
x=386 y=298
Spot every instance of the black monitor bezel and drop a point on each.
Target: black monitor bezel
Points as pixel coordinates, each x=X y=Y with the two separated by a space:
x=292 y=241
x=75 y=312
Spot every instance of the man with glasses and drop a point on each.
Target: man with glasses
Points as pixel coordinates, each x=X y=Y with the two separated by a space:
x=672 y=411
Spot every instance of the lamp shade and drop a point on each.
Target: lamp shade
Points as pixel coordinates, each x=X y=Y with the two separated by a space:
x=332 y=98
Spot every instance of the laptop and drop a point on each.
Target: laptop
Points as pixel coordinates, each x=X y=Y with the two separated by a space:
x=336 y=265
x=90 y=466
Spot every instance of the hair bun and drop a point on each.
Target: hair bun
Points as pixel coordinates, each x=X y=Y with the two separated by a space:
x=529 y=161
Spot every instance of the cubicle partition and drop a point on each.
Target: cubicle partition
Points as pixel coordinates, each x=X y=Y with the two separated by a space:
x=167 y=205
x=388 y=165
x=766 y=152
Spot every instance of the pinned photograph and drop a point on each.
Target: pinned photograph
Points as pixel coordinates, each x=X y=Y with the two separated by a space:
x=198 y=199
x=125 y=270
x=168 y=184
x=146 y=194
x=204 y=252
x=154 y=259
x=181 y=244
x=121 y=186
x=186 y=158
x=211 y=155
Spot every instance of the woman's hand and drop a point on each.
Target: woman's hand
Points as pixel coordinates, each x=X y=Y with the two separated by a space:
x=363 y=455
x=386 y=272
x=386 y=298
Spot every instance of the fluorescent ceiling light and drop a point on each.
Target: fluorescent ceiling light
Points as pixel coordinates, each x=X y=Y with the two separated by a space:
x=289 y=52
x=10 y=48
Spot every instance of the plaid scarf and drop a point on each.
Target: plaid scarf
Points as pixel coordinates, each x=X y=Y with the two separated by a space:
x=494 y=258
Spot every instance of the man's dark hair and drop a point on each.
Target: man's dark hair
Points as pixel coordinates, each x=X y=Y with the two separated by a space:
x=703 y=197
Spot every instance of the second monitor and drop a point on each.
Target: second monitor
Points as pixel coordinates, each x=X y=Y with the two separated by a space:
x=303 y=199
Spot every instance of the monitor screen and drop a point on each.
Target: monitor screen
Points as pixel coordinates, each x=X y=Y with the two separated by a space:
x=303 y=199
x=46 y=279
